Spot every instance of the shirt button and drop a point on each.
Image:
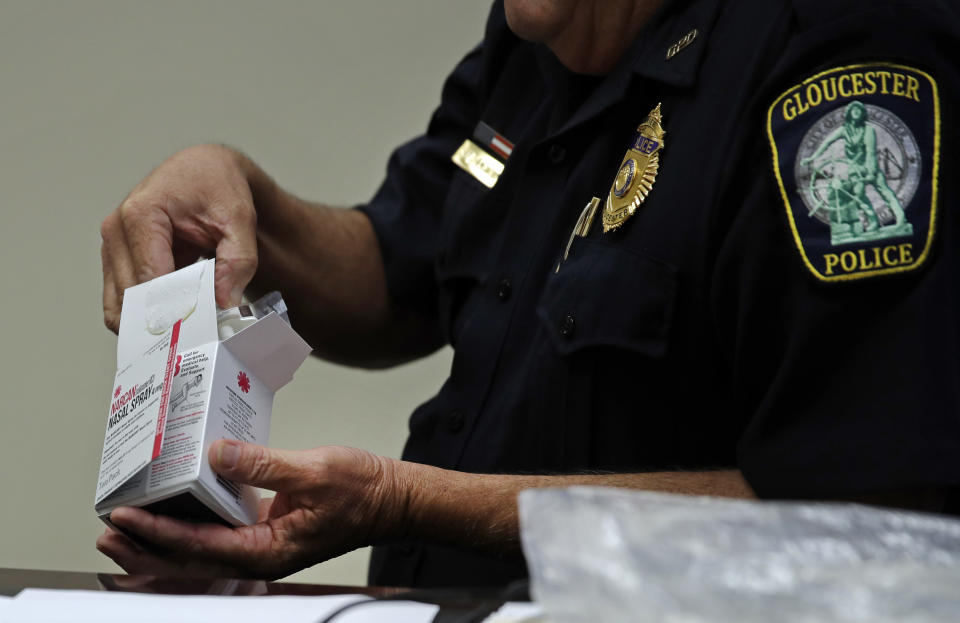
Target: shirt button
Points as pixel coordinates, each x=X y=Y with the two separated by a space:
x=566 y=325
x=504 y=288
x=455 y=422
x=556 y=154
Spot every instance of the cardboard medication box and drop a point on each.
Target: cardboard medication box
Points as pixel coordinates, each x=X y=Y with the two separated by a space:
x=179 y=388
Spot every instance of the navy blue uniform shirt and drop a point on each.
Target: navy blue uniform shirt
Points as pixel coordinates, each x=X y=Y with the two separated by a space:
x=729 y=322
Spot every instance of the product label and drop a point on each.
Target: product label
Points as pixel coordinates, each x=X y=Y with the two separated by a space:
x=189 y=389
x=135 y=416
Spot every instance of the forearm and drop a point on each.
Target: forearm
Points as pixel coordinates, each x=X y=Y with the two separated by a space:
x=479 y=511
x=327 y=264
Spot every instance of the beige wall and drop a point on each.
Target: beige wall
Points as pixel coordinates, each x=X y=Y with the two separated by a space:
x=95 y=94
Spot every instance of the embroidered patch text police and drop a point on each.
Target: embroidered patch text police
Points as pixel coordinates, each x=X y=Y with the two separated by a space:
x=856 y=158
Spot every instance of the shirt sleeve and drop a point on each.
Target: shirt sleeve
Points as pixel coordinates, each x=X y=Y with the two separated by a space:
x=406 y=210
x=840 y=316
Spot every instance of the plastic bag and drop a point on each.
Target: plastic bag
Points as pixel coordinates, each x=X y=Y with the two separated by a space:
x=604 y=554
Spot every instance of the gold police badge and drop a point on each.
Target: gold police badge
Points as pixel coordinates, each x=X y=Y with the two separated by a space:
x=638 y=172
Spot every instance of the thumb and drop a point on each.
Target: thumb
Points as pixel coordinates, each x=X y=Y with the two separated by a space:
x=267 y=468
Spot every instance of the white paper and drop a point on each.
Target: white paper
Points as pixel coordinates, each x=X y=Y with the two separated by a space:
x=517 y=612
x=392 y=611
x=4 y=605
x=56 y=606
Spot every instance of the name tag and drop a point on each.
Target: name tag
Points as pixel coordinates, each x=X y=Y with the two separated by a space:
x=474 y=160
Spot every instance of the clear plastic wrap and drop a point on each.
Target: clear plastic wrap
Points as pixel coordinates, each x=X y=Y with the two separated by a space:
x=270 y=302
x=233 y=320
x=603 y=554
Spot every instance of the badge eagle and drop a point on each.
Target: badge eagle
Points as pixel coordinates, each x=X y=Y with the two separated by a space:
x=637 y=173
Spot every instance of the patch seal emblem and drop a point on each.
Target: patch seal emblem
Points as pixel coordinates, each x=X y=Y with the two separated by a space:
x=856 y=158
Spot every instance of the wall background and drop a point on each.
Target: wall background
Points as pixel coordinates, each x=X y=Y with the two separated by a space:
x=93 y=95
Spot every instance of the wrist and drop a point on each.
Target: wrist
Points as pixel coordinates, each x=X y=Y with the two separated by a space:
x=476 y=511
x=401 y=496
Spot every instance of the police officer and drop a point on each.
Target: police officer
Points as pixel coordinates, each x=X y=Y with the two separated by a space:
x=625 y=218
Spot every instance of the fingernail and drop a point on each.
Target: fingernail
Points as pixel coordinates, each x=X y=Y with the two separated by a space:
x=228 y=454
x=236 y=295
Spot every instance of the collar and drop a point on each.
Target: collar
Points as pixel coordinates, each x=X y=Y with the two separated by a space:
x=647 y=56
x=675 y=22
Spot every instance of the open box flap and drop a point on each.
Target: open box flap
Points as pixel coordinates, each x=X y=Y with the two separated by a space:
x=151 y=309
x=270 y=349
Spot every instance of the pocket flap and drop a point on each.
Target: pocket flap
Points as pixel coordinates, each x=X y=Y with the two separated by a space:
x=609 y=296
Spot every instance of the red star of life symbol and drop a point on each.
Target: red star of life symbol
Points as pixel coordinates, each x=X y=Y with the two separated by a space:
x=243 y=381
x=116 y=392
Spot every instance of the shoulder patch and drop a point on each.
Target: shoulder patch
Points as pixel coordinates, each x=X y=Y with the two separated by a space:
x=856 y=154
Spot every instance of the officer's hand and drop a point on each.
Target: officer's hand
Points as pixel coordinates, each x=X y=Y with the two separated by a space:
x=197 y=202
x=329 y=501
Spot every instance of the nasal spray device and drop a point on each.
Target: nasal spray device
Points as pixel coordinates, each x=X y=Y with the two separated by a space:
x=235 y=319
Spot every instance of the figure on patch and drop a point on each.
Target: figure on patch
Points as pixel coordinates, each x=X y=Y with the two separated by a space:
x=840 y=183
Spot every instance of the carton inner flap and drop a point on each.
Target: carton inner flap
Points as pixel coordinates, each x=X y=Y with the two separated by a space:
x=151 y=309
x=271 y=349
x=172 y=298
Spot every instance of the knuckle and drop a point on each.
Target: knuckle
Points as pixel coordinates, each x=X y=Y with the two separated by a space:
x=261 y=464
x=138 y=206
x=322 y=466
x=111 y=321
x=192 y=545
x=185 y=541
x=240 y=264
x=108 y=225
x=128 y=207
x=127 y=214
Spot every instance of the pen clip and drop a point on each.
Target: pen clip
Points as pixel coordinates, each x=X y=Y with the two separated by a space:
x=582 y=228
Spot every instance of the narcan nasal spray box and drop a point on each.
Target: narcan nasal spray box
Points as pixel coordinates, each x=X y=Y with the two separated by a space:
x=179 y=387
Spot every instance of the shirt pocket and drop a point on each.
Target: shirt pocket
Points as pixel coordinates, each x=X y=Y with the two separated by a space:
x=609 y=296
